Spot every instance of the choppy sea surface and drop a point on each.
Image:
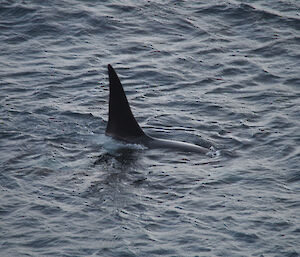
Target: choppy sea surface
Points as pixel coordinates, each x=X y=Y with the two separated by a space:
x=221 y=74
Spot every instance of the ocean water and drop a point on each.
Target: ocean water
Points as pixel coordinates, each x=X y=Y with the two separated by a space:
x=221 y=74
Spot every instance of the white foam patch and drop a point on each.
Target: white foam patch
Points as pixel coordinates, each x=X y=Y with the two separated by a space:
x=111 y=145
x=213 y=152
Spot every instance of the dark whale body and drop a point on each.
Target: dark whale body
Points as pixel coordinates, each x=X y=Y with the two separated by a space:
x=123 y=126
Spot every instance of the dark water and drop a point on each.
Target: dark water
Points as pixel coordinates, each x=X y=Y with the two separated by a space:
x=221 y=73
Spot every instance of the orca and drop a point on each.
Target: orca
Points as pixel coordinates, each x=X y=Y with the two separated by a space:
x=123 y=126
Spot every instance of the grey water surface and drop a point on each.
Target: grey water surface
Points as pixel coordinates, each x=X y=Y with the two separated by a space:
x=221 y=74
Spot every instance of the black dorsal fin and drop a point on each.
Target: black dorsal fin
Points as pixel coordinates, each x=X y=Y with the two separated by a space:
x=121 y=122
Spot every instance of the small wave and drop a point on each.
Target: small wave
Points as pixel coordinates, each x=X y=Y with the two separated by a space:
x=77 y=115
